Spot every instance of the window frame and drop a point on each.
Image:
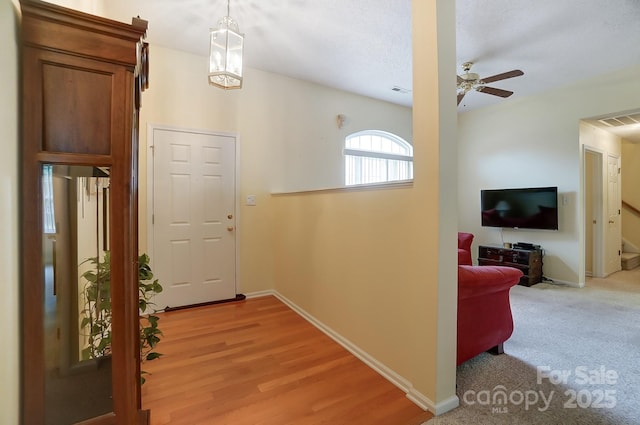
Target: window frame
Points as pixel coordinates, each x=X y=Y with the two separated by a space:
x=376 y=154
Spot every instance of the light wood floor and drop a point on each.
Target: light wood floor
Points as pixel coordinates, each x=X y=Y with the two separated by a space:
x=257 y=362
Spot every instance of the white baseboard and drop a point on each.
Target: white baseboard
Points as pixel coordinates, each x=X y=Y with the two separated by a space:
x=259 y=294
x=406 y=386
x=426 y=404
x=572 y=284
x=446 y=405
x=553 y=281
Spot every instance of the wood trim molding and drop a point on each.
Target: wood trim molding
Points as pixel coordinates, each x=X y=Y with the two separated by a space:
x=81 y=33
x=633 y=209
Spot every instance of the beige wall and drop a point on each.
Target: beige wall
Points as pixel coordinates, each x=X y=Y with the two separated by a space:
x=9 y=330
x=288 y=139
x=94 y=7
x=373 y=265
x=600 y=140
x=630 y=191
x=535 y=141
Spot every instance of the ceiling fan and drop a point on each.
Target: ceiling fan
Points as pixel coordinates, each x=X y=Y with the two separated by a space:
x=472 y=81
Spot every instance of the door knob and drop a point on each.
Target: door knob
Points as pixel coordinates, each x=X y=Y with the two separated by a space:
x=611 y=221
x=230 y=228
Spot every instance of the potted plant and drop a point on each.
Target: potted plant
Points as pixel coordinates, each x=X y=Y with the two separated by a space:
x=97 y=312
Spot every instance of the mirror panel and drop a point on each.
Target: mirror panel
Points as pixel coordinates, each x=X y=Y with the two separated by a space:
x=77 y=295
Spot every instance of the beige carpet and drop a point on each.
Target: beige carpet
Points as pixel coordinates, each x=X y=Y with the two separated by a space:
x=574 y=358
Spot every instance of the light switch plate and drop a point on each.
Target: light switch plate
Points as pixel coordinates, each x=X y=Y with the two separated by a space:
x=251 y=200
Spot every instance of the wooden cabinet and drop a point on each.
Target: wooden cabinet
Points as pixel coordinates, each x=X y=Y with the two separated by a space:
x=82 y=78
x=527 y=260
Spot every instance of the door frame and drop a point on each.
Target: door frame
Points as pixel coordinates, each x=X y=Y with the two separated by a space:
x=618 y=198
x=597 y=208
x=151 y=127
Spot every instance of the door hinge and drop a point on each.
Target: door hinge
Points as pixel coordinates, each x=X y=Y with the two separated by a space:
x=619 y=253
x=618 y=170
x=153 y=219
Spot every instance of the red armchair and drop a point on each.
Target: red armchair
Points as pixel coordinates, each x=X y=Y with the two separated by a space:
x=464 y=248
x=484 y=311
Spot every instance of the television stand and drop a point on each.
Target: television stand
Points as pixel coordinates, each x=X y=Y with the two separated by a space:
x=527 y=260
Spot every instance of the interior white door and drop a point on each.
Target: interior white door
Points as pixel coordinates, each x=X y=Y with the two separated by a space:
x=614 y=235
x=194 y=236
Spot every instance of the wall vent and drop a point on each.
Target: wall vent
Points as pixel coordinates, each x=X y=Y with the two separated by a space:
x=400 y=89
x=621 y=120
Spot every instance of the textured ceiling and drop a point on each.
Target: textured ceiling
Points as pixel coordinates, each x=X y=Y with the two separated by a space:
x=364 y=46
x=555 y=42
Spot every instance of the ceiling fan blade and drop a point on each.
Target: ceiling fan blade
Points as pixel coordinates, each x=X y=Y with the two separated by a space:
x=460 y=96
x=494 y=91
x=503 y=76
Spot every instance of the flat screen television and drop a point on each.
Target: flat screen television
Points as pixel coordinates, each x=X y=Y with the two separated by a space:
x=526 y=208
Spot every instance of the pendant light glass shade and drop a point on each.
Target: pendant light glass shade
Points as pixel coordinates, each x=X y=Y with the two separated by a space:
x=225 y=54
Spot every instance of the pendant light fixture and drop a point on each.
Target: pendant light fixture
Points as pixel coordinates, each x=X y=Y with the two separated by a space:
x=225 y=54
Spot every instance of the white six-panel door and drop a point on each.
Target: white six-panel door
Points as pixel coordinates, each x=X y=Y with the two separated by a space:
x=194 y=236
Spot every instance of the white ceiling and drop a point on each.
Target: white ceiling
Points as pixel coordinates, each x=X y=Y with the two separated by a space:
x=364 y=46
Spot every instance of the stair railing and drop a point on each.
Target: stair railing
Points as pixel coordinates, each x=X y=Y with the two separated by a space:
x=631 y=208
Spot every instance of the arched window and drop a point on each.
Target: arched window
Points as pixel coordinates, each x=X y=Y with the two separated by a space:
x=374 y=156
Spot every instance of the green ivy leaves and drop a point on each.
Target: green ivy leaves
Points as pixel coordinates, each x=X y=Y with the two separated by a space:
x=96 y=312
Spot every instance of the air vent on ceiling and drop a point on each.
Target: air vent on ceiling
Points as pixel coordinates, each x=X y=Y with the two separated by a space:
x=400 y=89
x=621 y=120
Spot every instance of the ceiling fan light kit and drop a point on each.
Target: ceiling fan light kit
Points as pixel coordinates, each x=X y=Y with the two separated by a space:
x=471 y=81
